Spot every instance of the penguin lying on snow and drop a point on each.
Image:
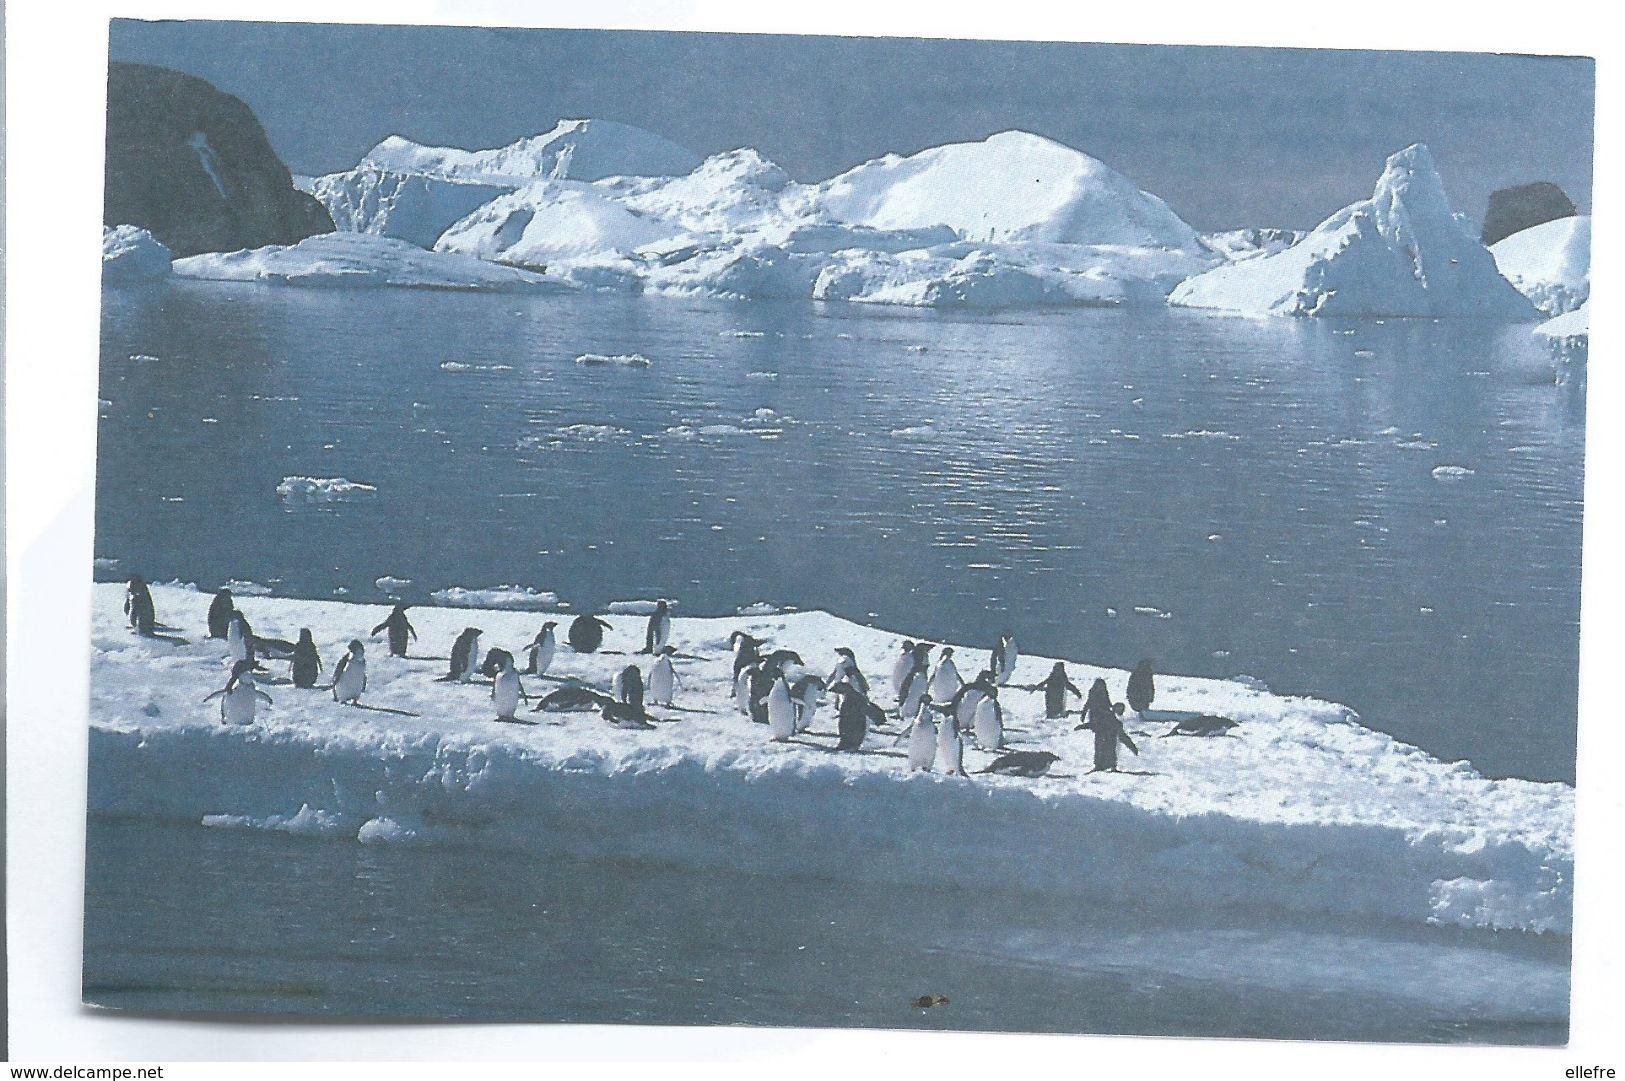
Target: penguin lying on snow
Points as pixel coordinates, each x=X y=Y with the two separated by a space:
x=575 y=698
x=1022 y=764
x=625 y=716
x=1205 y=725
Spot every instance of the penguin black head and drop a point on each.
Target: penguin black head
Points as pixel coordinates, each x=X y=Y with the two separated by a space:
x=660 y=606
x=492 y=663
x=668 y=651
x=356 y=646
x=550 y=624
x=845 y=652
x=400 y=610
x=304 y=636
x=947 y=651
x=136 y=581
x=239 y=670
x=1117 y=708
x=908 y=646
x=1059 y=669
x=224 y=593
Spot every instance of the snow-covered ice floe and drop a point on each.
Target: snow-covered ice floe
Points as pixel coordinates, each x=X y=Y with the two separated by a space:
x=1549 y=263
x=515 y=597
x=362 y=260
x=131 y=255
x=323 y=490
x=619 y=360
x=1574 y=326
x=1300 y=810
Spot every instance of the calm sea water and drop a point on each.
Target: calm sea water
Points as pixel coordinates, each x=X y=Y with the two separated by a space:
x=268 y=924
x=1225 y=495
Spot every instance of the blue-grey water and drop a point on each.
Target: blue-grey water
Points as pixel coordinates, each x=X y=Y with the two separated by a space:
x=1224 y=495
x=188 y=919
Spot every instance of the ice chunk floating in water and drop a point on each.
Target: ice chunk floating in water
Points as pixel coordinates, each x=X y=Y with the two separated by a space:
x=323 y=490
x=495 y=597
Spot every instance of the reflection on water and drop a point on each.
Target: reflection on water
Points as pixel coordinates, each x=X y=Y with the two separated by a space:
x=1225 y=495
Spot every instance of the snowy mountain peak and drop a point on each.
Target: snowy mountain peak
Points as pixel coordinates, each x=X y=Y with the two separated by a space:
x=572 y=150
x=744 y=166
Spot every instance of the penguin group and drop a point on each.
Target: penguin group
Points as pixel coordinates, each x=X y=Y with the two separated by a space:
x=935 y=712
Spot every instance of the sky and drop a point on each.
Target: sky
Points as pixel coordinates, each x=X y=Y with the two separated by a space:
x=1228 y=137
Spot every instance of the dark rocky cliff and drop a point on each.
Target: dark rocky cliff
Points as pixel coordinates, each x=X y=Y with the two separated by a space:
x=1512 y=210
x=192 y=166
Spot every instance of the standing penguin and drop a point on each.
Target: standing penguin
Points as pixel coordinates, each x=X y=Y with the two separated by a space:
x=539 y=654
x=746 y=649
x=663 y=677
x=307 y=663
x=902 y=666
x=945 y=681
x=587 y=633
x=851 y=716
x=742 y=689
x=399 y=627
x=1055 y=686
x=969 y=697
x=465 y=655
x=922 y=738
x=659 y=629
x=628 y=687
x=1142 y=687
x=846 y=671
x=989 y=723
x=506 y=690
x=781 y=710
x=1106 y=720
x=1004 y=658
x=220 y=610
x=760 y=685
x=239 y=697
x=950 y=748
x=350 y=674
x=138 y=606
x=808 y=692
x=912 y=694
x=240 y=640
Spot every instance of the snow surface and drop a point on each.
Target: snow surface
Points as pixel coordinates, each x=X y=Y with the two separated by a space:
x=1402 y=252
x=574 y=149
x=1549 y=263
x=360 y=260
x=131 y=254
x=1239 y=244
x=1301 y=811
x=1571 y=326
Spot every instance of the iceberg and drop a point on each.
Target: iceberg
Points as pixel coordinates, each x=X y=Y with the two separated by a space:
x=1574 y=326
x=1549 y=263
x=416 y=209
x=1401 y=252
x=360 y=260
x=1301 y=812
x=572 y=150
x=131 y=255
x=323 y=490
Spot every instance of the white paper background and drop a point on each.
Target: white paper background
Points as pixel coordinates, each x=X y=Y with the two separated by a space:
x=56 y=57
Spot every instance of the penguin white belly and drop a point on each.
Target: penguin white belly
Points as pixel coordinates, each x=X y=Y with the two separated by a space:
x=239 y=705
x=1008 y=669
x=900 y=671
x=471 y=663
x=950 y=749
x=742 y=692
x=922 y=743
x=781 y=712
x=236 y=644
x=662 y=680
x=806 y=706
x=989 y=726
x=913 y=691
x=945 y=682
x=350 y=682
x=662 y=633
x=965 y=715
x=544 y=655
x=505 y=694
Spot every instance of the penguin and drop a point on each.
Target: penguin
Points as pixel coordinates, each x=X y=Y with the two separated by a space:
x=575 y=698
x=781 y=710
x=240 y=640
x=1142 y=687
x=629 y=687
x=1204 y=725
x=945 y=681
x=659 y=630
x=922 y=738
x=239 y=697
x=851 y=716
x=969 y=697
x=902 y=667
x=808 y=692
x=1055 y=687
x=138 y=606
x=762 y=679
x=1105 y=718
x=399 y=628
x=220 y=610
x=950 y=748
x=1022 y=763
x=506 y=689
x=662 y=677
x=746 y=650
x=277 y=649
x=742 y=690
x=846 y=671
x=539 y=654
x=912 y=694
x=1003 y=661
x=464 y=657
x=307 y=662
x=624 y=716
x=781 y=660
x=587 y=633
x=492 y=664
x=350 y=675
x=989 y=722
